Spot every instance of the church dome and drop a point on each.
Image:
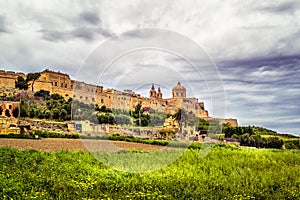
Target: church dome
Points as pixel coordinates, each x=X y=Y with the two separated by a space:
x=179 y=91
x=178 y=86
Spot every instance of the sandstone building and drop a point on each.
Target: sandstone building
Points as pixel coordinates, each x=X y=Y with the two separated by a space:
x=60 y=83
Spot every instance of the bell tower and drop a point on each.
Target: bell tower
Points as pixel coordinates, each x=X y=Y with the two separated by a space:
x=159 y=94
x=152 y=92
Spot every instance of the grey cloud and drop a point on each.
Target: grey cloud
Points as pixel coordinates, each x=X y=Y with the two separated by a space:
x=90 y=17
x=286 y=7
x=84 y=33
x=104 y=32
x=88 y=34
x=53 y=35
x=3 y=26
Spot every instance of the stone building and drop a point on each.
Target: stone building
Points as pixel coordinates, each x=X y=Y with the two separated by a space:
x=8 y=78
x=60 y=83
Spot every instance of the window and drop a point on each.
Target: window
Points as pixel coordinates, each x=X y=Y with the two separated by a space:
x=80 y=97
x=71 y=86
x=74 y=96
x=93 y=99
x=9 y=106
x=62 y=84
x=86 y=98
x=66 y=85
x=102 y=101
x=55 y=83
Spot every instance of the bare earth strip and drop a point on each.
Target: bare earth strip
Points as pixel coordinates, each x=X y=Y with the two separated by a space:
x=56 y=144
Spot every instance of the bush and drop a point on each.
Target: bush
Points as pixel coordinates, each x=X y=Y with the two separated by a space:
x=260 y=142
x=292 y=144
x=47 y=134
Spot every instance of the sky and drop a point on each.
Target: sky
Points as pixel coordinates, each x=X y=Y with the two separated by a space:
x=241 y=57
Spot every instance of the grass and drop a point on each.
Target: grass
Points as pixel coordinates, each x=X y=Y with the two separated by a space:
x=226 y=172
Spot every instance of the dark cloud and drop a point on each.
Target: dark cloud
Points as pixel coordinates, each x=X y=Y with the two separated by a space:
x=76 y=29
x=267 y=87
x=87 y=34
x=3 y=26
x=286 y=7
x=52 y=35
x=260 y=61
x=84 y=33
x=90 y=17
x=104 y=32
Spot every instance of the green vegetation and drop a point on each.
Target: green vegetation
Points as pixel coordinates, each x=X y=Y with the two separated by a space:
x=292 y=144
x=140 y=117
x=32 y=77
x=23 y=84
x=261 y=137
x=261 y=142
x=53 y=107
x=224 y=173
x=40 y=134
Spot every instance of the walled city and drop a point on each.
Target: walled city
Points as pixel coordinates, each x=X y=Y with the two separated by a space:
x=60 y=83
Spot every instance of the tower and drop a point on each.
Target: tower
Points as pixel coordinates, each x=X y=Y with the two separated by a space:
x=159 y=94
x=152 y=92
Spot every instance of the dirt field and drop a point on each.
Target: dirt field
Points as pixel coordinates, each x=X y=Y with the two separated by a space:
x=56 y=144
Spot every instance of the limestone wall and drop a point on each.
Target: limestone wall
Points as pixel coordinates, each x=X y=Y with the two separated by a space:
x=8 y=78
x=231 y=122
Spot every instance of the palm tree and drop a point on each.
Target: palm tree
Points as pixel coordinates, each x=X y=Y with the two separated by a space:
x=180 y=117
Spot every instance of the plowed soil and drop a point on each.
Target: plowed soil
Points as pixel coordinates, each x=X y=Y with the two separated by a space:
x=56 y=144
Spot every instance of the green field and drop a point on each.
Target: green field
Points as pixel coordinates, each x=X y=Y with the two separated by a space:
x=224 y=173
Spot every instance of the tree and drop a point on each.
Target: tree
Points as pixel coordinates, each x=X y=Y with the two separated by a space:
x=32 y=113
x=47 y=114
x=7 y=113
x=202 y=125
x=56 y=97
x=106 y=118
x=140 y=118
x=180 y=116
x=21 y=83
x=63 y=114
x=43 y=93
x=32 y=77
x=56 y=113
x=23 y=109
